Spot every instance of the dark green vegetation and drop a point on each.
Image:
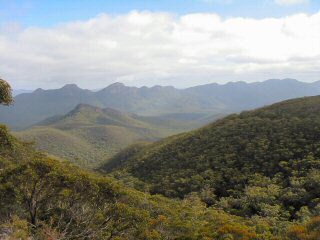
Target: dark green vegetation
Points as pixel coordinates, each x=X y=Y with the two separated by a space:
x=258 y=163
x=201 y=104
x=42 y=198
x=5 y=93
x=89 y=135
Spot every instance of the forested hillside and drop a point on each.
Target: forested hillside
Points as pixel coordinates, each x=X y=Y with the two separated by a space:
x=264 y=162
x=89 y=135
x=43 y=198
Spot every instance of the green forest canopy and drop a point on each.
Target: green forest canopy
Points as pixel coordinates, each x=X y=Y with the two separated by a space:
x=264 y=162
x=44 y=198
x=5 y=93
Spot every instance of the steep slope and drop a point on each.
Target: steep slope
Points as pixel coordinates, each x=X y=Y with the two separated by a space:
x=234 y=161
x=43 y=198
x=180 y=104
x=89 y=135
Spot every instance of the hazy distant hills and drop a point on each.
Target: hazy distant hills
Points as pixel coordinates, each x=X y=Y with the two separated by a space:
x=192 y=103
x=89 y=135
x=237 y=96
x=16 y=92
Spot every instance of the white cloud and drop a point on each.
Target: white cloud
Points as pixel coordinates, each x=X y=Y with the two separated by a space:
x=290 y=2
x=159 y=48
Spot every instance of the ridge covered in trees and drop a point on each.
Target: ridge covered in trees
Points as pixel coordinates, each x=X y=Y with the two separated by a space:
x=89 y=135
x=44 y=198
x=264 y=162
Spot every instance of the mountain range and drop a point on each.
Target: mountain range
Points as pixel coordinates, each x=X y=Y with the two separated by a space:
x=195 y=103
x=16 y=92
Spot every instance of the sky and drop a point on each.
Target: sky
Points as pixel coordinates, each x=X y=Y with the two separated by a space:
x=185 y=43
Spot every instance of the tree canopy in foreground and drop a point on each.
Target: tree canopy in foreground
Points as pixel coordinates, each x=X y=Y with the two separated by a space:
x=5 y=93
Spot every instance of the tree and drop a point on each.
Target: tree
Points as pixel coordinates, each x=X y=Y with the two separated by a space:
x=5 y=93
x=308 y=231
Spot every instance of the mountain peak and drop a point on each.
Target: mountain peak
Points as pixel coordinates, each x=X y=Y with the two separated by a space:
x=70 y=87
x=116 y=85
x=38 y=90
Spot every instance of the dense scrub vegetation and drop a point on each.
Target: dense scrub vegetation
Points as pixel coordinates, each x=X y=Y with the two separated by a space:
x=5 y=93
x=43 y=198
x=259 y=163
